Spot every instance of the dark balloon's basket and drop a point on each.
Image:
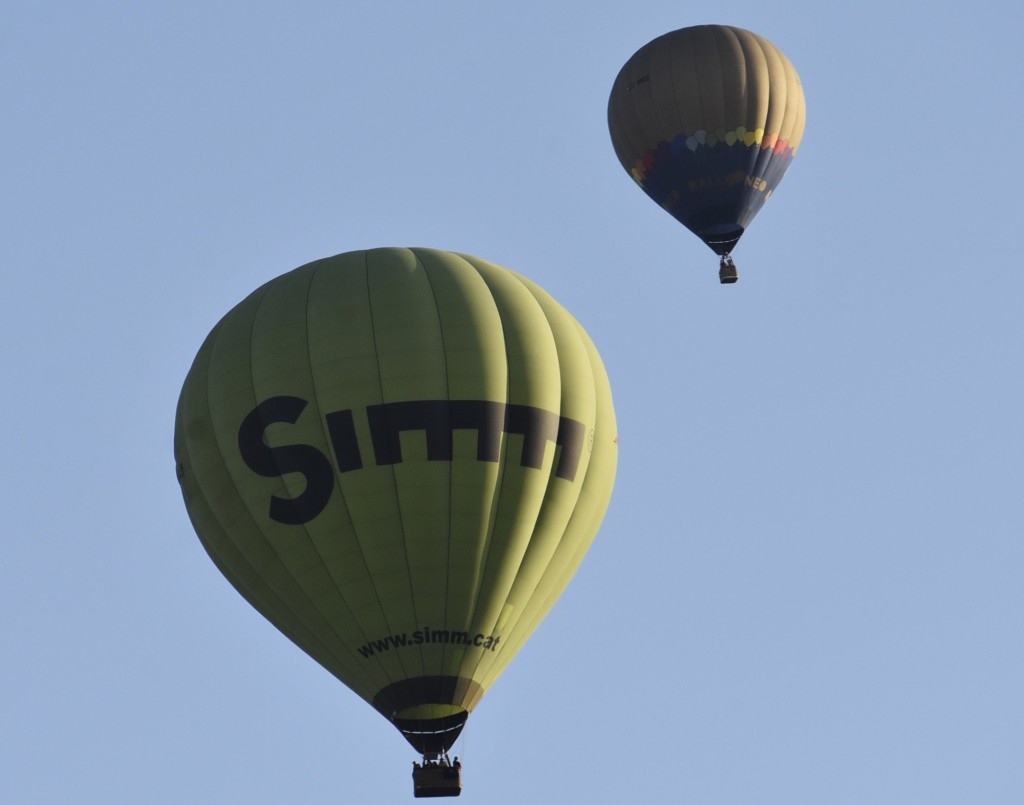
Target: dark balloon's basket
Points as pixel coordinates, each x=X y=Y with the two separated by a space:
x=436 y=780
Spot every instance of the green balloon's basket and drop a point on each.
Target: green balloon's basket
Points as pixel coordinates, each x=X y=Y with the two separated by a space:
x=437 y=778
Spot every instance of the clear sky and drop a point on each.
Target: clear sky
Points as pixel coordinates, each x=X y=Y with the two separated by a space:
x=808 y=585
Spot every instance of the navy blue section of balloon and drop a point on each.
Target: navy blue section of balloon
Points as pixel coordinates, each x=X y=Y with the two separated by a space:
x=715 y=192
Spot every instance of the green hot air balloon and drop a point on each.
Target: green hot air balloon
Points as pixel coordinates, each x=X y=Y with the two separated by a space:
x=400 y=457
x=707 y=120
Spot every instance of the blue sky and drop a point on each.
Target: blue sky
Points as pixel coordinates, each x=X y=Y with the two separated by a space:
x=807 y=588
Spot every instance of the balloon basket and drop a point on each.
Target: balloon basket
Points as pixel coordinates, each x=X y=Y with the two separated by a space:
x=727 y=272
x=437 y=778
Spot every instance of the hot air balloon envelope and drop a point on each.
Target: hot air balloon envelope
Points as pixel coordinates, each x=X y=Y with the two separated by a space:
x=706 y=120
x=399 y=457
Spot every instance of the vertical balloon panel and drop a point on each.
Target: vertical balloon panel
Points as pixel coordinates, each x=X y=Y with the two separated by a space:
x=573 y=519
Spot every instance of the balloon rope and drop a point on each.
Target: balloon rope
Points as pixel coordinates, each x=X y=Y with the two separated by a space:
x=463 y=741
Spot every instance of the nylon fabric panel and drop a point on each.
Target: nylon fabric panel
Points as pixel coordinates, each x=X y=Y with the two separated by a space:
x=231 y=533
x=577 y=402
x=367 y=557
x=755 y=92
x=414 y=353
x=410 y=516
x=476 y=368
x=792 y=129
x=278 y=361
x=778 y=80
x=591 y=506
x=629 y=135
x=195 y=451
x=533 y=380
x=284 y=560
x=714 y=79
x=757 y=83
x=544 y=531
x=280 y=364
x=662 y=123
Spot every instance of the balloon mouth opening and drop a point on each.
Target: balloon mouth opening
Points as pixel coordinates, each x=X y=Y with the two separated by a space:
x=433 y=736
x=429 y=711
x=722 y=238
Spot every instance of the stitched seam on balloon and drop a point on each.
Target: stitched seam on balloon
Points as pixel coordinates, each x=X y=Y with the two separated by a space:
x=285 y=607
x=447 y=384
x=515 y=634
x=640 y=122
x=340 y=493
x=492 y=518
x=700 y=83
x=394 y=480
x=315 y=405
x=535 y=611
x=749 y=135
x=509 y=629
